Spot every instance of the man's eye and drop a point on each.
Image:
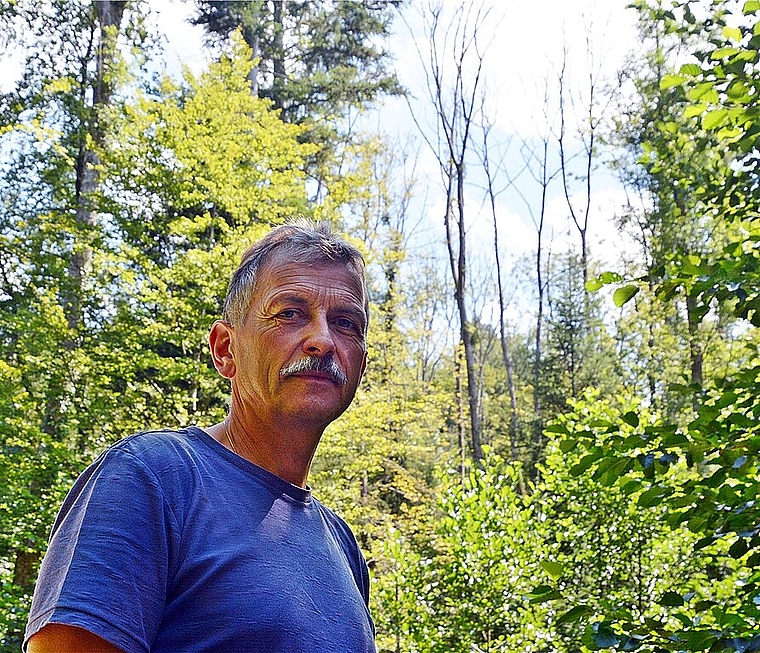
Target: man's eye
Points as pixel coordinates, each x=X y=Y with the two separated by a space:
x=287 y=314
x=345 y=323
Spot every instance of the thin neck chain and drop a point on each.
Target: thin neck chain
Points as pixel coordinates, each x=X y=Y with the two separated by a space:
x=228 y=433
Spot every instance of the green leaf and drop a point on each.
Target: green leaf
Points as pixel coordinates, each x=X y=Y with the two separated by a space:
x=610 y=471
x=733 y=33
x=751 y=6
x=673 y=440
x=690 y=69
x=738 y=548
x=624 y=294
x=653 y=496
x=567 y=445
x=631 y=486
x=574 y=614
x=585 y=463
x=543 y=593
x=704 y=92
x=631 y=418
x=603 y=279
x=555 y=569
x=671 y=600
x=694 y=110
x=670 y=80
x=738 y=91
x=722 y=53
x=713 y=119
x=690 y=266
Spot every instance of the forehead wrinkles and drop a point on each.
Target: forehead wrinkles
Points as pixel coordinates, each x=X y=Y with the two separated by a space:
x=298 y=285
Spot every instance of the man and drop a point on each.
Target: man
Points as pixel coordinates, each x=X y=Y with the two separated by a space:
x=206 y=540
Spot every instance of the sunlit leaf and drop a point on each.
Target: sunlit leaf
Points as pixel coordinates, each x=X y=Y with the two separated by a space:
x=713 y=119
x=554 y=569
x=624 y=294
x=733 y=33
x=670 y=80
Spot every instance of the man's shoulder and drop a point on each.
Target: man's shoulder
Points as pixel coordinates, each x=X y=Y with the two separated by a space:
x=340 y=528
x=165 y=453
x=159 y=443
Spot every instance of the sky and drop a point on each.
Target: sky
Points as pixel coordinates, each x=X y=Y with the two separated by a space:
x=524 y=51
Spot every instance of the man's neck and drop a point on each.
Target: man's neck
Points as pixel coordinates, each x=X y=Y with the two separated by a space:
x=286 y=450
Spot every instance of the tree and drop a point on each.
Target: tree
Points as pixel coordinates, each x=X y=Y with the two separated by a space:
x=465 y=587
x=718 y=442
x=668 y=158
x=455 y=104
x=578 y=350
x=316 y=61
x=506 y=353
x=53 y=122
x=313 y=59
x=539 y=165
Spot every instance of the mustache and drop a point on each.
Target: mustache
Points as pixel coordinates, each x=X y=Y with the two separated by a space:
x=316 y=364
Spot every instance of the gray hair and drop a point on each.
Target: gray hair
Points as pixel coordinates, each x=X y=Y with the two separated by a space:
x=300 y=241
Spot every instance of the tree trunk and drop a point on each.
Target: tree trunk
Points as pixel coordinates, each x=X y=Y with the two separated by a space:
x=456 y=108
x=696 y=353
x=278 y=56
x=465 y=327
x=109 y=16
x=538 y=428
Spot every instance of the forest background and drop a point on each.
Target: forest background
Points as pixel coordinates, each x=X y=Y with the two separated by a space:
x=555 y=451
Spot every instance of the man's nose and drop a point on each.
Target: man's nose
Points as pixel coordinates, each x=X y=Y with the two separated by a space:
x=319 y=340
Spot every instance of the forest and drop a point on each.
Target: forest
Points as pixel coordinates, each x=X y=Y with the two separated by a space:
x=573 y=470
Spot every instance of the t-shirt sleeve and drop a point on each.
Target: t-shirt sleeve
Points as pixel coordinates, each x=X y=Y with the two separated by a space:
x=109 y=557
x=350 y=547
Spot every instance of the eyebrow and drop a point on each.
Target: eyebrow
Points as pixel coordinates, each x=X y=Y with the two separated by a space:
x=288 y=298
x=294 y=298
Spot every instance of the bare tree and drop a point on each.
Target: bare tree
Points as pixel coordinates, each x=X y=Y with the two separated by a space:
x=589 y=109
x=453 y=74
x=536 y=156
x=506 y=354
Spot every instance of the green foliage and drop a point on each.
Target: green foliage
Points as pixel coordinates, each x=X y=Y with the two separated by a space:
x=579 y=352
x=703 y=479
x=194 y=175
x=613 y=553
x=511 y=566
x=467 y=587
x=714 y=496
x=316 y=61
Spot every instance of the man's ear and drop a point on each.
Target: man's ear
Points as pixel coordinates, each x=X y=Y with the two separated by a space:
x=220 y=344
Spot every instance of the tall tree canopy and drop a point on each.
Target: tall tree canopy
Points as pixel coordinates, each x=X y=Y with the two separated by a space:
x=313 y=59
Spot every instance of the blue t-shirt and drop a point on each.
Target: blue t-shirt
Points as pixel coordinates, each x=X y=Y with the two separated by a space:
x=169 y=542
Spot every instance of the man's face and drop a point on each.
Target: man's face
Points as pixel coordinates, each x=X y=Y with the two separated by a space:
x=299 y=311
